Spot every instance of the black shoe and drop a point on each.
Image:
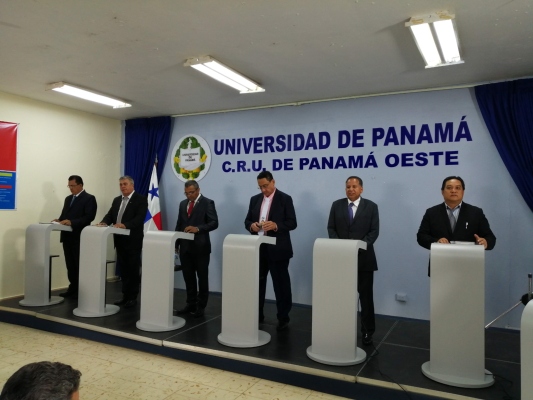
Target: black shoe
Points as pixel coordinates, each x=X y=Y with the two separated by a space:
x=367 y=339
x=121 y=302
x=69 y=294
x=188 y=309
x=198 y=313
x=130 y=303
x=282 y=325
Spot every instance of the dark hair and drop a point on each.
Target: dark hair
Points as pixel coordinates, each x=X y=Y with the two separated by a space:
x=355 y=177
x=76 y=178
x=192 y=183
x=265 y=175
x=43 y=380
x=450 y=178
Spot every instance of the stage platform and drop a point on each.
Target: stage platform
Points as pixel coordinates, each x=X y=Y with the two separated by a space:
x=400 y=348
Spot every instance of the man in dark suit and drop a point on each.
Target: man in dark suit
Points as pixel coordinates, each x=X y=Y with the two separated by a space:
x=353 y=217
x=128 y=212
x=197 y=215
x=454 y=220
x=272 y=213
x=78 y=212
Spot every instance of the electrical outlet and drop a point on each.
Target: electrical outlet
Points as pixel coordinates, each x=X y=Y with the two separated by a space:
x=401 y=297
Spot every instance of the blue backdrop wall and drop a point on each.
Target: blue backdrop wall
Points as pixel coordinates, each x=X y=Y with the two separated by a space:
x=402 y=146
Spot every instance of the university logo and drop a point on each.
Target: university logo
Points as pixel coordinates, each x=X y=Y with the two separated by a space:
x=191 y=158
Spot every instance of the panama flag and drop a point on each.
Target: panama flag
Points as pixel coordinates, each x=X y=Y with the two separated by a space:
x=152 y=222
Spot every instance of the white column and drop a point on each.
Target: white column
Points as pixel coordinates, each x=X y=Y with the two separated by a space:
x=526 y=352
x=93 y=251
x=457 y=316
x=157 y=287
x=37 y=265
x=240 y=291
x=334 y=326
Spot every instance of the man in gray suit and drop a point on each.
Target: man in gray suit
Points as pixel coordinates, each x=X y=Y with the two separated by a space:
x=356 y=218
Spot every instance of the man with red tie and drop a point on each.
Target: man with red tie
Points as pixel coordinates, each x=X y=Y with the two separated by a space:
x=197 y=215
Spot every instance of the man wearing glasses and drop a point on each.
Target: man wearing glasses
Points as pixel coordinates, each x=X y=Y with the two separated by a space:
x=197 y=215
x=78 y=212
x=272 y=213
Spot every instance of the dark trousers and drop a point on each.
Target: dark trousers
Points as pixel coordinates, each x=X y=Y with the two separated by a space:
x=71 y=249
x=365 y=287
x=130 y=269
x=193 y=266
x=281 y=281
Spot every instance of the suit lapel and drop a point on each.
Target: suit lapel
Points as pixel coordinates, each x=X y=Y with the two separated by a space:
x=360 y=210
x=446 y=219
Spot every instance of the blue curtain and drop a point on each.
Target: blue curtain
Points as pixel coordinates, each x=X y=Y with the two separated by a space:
x=146 y=138
x=507 y=109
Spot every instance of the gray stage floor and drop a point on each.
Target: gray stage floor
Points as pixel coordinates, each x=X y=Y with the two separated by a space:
x=400 y=347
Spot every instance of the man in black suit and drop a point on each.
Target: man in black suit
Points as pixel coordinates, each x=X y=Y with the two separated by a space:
x=197 y=215
x=353 y=217
x=272 y=213
x=78 y=212
x=128 y=212
x=454 y=220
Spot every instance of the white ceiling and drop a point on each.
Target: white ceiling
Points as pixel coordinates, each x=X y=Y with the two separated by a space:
x=298 y=50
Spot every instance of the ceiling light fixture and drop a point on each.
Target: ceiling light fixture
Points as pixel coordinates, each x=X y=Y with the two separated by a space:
x=86 y=95
x=216 y=70
x=436 y=38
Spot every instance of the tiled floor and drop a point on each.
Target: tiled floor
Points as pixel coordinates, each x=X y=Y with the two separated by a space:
x=110 y=372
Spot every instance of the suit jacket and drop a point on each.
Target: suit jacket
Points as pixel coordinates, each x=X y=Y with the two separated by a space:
x=365 y=227
x=436 y=224
x=283 y=214
x=204 y=217
x=81 y=214
x=133 y=218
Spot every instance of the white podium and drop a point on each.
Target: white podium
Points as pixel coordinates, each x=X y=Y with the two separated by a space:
x=334 y=326
x=37 y=266
x=457 y=316
x=240 y=291
x=157 y=287
x=526 y=352
x=93 y=251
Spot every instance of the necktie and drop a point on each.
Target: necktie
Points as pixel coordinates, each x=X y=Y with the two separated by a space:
x=189 y=210
x=72 y=201
x=451 y=217
x=121 y=211
x=350 y=211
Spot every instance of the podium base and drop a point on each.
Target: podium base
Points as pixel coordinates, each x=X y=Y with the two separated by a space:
x=53 y=300
x=109 y=309
x=458 y=381
x=177 y=323
x=360 y=356
x=263 y=338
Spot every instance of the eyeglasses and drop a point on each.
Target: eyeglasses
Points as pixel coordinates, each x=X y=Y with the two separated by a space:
x=261 y=187
x=71 y=186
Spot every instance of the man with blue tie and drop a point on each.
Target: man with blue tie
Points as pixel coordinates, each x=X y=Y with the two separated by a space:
x=353 y=217
x=78 y=212
x=197 y=215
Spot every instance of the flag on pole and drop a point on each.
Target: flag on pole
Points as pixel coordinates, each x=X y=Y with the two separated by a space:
x=152 y=222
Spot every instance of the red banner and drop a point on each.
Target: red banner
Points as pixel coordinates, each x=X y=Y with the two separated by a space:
x=8 y=146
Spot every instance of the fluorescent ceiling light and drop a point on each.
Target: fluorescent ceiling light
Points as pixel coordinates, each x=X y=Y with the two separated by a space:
x=86 y=95
x=216 y=70
x=436 y=38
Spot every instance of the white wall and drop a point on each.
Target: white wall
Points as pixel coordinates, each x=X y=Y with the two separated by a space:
x=402 y=193
x=53 y=143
